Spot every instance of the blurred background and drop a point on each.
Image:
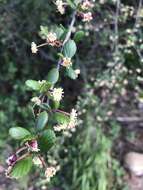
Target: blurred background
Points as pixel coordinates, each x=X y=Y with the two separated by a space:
x=107 y=94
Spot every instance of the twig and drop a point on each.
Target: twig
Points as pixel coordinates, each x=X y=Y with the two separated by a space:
x=116 y=27
x=42 y=53
x=60 y=111
x=137 y=20
x=21 y=149
x=70 y=28
x=42 y=160
x=68 y=35
x=23 y=156
x=129 y=119
x=19 y=159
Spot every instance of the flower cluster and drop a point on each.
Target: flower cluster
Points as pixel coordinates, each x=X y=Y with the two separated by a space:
x=42 y=82
x=73 y=119
x=70 y=125
x=52 y=38
x=36 y=100
x=87 y=17
x=86 y=5
x=57 y=94
x=37 y=161
x=66 y=62
x=34 y=47
x=86 y=13
x=50 y=172
x=60 y=6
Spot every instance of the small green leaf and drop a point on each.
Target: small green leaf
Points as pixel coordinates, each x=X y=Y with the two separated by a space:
x=21 y=168
x=60 y=55
x=43 y=32
x=53 y=75
x=59 y=32
x=45 y=87
x=42 y=120
x=18 y=133
x=77 y=2
x=56 y=104
x=47 y=140
x=61 y=118
x=33 y=84
x=141 y=46
x=71 y=4
x=45 y=106
x=69 y=49
x=28 y=138
x=71 y=73
x=79 y=35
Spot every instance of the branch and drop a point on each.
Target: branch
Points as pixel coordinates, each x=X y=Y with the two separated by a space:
x=129 y=119
x=116 y=26
x=68 y=35
x=21 y=149
x=19 y=159
x=70 y=28
x=60 y=111
x=137 y=20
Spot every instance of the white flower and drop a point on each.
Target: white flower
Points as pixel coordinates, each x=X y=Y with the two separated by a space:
x=77 y=71
x=86 y=5
x=66 y=126
x=36 y=161
x=61 y=127
x=66 y=62
x=102 y=1
x=42 y=82
x=57 y=94
x=50 y=172
x=34 y=48
x=73 y=119
x=141 y=100
x=60 y=6
x=36 y=100
x=51 y=38
x=87 y=17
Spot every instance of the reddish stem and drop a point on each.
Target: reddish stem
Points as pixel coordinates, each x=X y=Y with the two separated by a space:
x=60 y=111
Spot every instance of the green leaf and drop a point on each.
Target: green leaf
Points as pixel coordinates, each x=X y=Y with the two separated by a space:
x=79 y=35
x=47 y=140
x=56 y=104
x=28 y=138
x=71 y=73
x=141 y=46
x=45 y=87
x=59 y=32
x=45 y=106
x=43 y=32
x=69 y=49
x=21 y=168
x=77 y=2
x=61 y=118
x=71 y=4
x=42 y=120
x=33 y=84
x=18 y=133
x=53 y=75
